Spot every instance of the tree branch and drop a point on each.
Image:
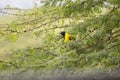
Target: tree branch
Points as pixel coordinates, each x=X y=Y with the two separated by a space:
x=112 y=10
x=8 y=63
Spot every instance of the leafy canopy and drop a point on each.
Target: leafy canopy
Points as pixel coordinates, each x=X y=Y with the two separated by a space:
x=95 y=24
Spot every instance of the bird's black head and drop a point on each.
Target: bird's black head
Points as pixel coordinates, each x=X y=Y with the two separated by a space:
x=62 y=33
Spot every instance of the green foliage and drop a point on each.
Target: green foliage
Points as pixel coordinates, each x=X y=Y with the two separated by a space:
x=97 y=35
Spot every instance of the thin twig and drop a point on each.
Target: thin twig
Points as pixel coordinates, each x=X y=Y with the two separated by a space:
x=112 y=10
x=9 y=63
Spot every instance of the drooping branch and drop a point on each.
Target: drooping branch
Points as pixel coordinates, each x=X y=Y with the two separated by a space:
x=34 y=28
x=8 y=62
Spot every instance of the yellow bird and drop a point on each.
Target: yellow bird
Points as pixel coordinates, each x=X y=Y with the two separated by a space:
x=67 y=36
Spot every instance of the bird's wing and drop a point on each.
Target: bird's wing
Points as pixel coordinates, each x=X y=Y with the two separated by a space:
x=71 y=37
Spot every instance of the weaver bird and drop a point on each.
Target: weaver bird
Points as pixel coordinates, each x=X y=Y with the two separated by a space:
x=67 y=36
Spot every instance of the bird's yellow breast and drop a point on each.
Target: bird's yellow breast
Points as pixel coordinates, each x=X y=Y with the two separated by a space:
x=66 y=37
